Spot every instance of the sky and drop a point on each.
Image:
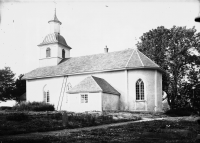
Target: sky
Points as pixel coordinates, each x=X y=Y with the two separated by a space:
x=87 y=26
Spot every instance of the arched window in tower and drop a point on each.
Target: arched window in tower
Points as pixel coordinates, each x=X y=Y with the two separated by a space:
x=63 y=53
x=48 y=52
x=139 y=90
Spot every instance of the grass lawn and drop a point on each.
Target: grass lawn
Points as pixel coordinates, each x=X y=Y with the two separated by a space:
x=161 y=131
x=26 y=122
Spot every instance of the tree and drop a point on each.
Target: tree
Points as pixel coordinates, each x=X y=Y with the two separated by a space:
x=153 y=44
x=171 y=49
x=7 y=83
x=20 y=87
x=181 y=42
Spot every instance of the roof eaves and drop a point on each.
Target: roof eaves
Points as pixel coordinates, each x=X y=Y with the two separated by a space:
x=41 y=44
x=112 y=93
x=56 y=42
x=79 y=92
x=91 y=72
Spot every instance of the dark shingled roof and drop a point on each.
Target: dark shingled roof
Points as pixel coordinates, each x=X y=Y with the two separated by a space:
x=120 y=60
x=93 y=84
x=54 y=38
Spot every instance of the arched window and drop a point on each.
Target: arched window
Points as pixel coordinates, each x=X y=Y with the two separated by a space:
x=48 y=52
x=63 y=53
x=139 y=90
x=46 y=97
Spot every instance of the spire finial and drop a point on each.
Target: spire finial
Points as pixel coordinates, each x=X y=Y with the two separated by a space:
x=55 y=19
x=55 y=13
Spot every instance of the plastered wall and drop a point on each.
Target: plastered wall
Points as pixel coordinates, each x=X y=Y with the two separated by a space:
x=110 y=101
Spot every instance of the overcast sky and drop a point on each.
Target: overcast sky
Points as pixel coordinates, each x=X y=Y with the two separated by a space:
x=87 y=26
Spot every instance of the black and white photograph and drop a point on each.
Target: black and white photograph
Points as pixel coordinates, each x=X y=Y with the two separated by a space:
x=99 y=71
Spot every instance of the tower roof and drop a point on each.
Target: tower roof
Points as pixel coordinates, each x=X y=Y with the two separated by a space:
x=55 y=19
x=54 y=38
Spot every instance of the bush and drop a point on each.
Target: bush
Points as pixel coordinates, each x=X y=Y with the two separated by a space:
x=5 y=108
x=34 y=106
x=179 y=112
x=17 y=117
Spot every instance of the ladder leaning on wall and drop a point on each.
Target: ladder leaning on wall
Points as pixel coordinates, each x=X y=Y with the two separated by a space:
x=62 y=93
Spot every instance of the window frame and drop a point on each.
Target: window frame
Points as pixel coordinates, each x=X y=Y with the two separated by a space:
x=139 y=90
x=48 y=52
x=63 y=53
x=84 y=98
x=46 y=97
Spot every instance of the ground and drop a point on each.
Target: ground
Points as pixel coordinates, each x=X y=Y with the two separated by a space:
x=158 y=128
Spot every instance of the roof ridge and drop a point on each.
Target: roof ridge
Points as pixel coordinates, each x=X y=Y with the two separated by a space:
x=96 y=82
x=129 y=59
x=149 y=59
x=102 y=53
x=139 y=58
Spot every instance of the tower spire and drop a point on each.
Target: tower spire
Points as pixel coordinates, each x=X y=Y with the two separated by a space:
x=55 y=19
x=55 y=24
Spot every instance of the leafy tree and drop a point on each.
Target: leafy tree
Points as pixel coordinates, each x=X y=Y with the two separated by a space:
x=20 y=87
x=153 y=44
x=171 y=49
x=181 y=41
x=7 y=83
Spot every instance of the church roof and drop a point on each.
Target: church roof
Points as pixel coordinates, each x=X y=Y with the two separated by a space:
x=120 y=60
x=93 y=84
x=54 y=38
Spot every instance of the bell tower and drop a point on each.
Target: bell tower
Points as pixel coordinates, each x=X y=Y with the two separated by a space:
x=54 y=48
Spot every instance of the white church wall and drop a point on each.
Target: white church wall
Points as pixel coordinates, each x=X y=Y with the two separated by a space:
x=35 y=89
x=110 y=101
x=159 y=91
x=114 y=78
x=74 y=103
x=148 y=77
x=117 y=79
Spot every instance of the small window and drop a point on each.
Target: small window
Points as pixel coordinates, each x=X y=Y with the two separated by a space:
x=63 y=53
x=46 y=97
x=48 y=52
x=139 y=90
x=84 y=98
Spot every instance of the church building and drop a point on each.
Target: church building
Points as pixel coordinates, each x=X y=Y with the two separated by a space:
x=121 y=80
